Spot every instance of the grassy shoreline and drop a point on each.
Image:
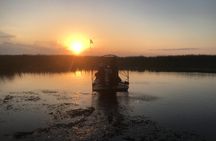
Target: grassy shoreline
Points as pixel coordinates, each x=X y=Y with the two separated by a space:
x=64 y=63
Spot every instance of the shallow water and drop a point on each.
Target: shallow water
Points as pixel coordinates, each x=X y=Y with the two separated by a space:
x=179 y=101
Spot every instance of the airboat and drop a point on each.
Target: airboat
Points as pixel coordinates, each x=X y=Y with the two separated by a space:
x=107 y=76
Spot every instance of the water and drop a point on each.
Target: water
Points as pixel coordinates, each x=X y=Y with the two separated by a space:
x=178 y=101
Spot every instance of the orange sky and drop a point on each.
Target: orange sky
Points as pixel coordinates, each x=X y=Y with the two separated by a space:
x=121 y=27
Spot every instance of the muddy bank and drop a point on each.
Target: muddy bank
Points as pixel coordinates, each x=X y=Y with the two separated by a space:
x=18 y=102
x=107 y=118
x=79 y=114
x=90 y=129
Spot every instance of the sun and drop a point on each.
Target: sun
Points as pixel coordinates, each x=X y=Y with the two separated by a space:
x=76 y=47
x=76 y=44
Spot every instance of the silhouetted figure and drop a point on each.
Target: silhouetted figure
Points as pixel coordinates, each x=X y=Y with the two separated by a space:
x=100 y=75
x=114 y=77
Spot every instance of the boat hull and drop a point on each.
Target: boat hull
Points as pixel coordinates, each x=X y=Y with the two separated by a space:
x=121 y=87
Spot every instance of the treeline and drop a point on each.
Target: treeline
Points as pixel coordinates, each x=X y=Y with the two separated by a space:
x=63 y=63
x=184 y=63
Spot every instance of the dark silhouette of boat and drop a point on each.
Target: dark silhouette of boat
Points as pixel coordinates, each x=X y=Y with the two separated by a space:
x=107 y=76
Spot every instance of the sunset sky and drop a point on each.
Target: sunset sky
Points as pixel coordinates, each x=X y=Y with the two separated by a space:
x=122 y=27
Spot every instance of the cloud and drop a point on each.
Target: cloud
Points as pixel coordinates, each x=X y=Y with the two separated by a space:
x=7 y=46
x=6 y=35
x=178 y=49
x=15 y=49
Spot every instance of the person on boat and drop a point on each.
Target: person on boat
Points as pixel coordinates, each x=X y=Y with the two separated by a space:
x=108 y=75
x=114 y=74
x=100 y=75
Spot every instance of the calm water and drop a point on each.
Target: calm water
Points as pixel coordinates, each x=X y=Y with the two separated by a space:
x=180 y=101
